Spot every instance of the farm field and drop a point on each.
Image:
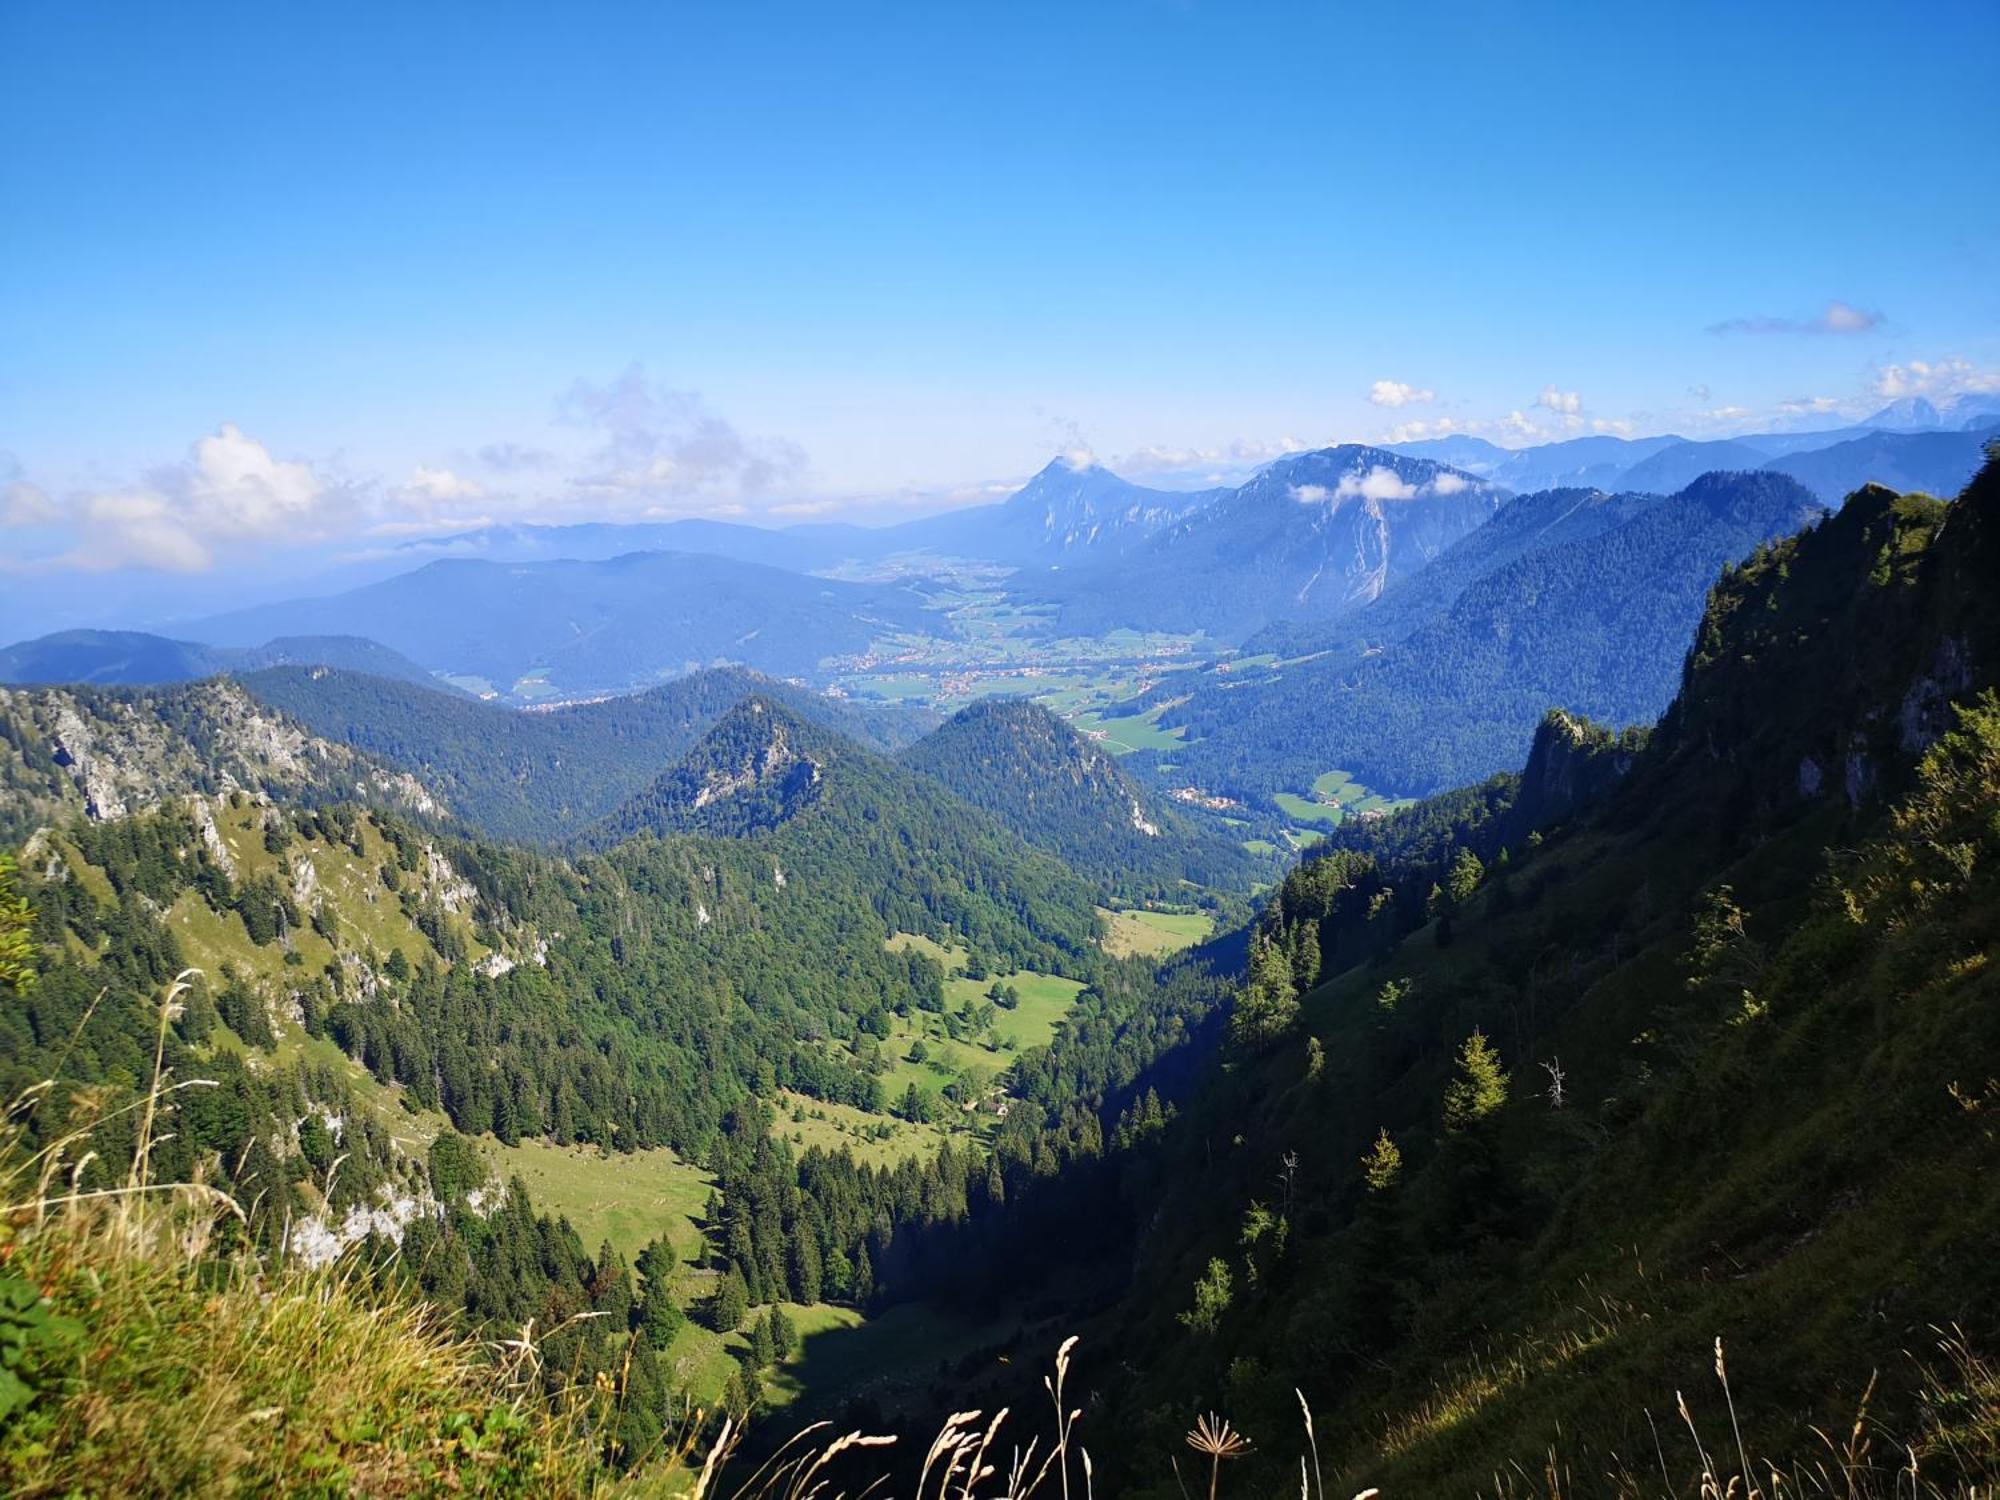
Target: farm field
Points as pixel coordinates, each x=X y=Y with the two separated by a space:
x=981 y=1055
x=874 y=1140
x=1336 y=797
x=1152 y=934
x=1121 y=735
x=628 y=1198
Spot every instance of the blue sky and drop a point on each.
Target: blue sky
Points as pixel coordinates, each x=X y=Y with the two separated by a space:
x=839 y=259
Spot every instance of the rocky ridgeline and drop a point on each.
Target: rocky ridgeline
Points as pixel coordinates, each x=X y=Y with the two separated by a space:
x=108 y=753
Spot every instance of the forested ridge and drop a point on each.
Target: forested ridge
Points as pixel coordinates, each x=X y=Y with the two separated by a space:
x=550 y=775
x=1420 y=705
x=1017 y=761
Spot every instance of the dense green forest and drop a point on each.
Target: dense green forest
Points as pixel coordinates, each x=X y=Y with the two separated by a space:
x=1019 y=762
x=546 y=776
x=1457 y=696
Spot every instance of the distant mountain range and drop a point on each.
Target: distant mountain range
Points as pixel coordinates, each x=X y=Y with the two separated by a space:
x=1908 y=445
x=1067 y=513
x=533 y=612
x=601 y=627
x=1446 y=683
x=1310 y=536
x=100 y=657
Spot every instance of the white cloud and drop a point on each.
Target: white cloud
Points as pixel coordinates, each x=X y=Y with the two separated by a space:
x=1565 y=403
x=229 y=490
x=1612 y=426
x=1163 y=460
x=1944 y=377
x=1450 y=484
x=1396 y=393
x=1378 y=483
x=428 y=486
x=1311 y=494
x=136 y=529
x=1836 y=317
x=1808 y=406
x=1841 y=318
x=798 y=508
x=1421 y=428
x=24 y=504
x=1079 y=458
x=663 y=449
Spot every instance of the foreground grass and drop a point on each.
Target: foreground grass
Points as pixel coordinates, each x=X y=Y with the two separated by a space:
x=139 y=1368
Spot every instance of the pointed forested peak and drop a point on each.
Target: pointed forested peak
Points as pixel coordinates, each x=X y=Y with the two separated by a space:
x=1016 y=723
x=759 y=766
x=1571 y=764
x=1725 y=492
x=1029 y=769
x=1013 y=749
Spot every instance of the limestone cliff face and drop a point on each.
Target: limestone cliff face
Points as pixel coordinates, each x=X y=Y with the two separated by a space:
x=1572 y=764
x=108 y=753
x=1824 y=666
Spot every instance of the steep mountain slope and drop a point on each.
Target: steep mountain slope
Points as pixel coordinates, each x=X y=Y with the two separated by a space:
x=606 y=626
x=547 y=775
x=823 y=810
x=131 y=657
x=1066 y=514
x=1599 y=623
x=1309 y=537
x=1521 y=1142
x=1027 y=768
x=1935 y=463
x=102 y=753
x=1673 y=468
x=1528 y=523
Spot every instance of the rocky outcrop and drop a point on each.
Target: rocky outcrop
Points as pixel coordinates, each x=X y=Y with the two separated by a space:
x=110 y=753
